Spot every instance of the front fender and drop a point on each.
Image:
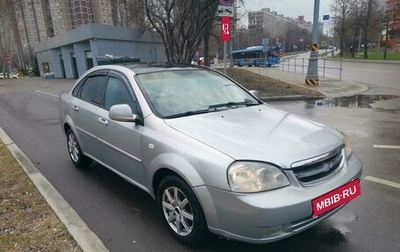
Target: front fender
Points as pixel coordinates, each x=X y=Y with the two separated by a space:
x=198 y=166
x=175 y=164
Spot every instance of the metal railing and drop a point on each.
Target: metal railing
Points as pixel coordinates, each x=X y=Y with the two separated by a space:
x=298 y=65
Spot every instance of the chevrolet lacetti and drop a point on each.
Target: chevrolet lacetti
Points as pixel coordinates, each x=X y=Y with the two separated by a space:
x=214 y=156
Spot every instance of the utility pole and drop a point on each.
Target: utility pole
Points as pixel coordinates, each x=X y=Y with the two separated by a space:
x=233 y=33
x=312 y=72
x=334 y=30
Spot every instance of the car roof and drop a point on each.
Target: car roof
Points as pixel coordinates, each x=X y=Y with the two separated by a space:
x=149 y=68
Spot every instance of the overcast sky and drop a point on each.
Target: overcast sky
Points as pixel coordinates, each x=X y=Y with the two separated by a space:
x=289 y=8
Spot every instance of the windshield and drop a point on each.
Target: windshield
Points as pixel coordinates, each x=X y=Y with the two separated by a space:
x=187 y=92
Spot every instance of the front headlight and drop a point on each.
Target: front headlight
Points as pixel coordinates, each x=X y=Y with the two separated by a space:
x=255 y=177
x=347 y=146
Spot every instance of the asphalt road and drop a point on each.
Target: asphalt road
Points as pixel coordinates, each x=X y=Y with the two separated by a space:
x=125 y=218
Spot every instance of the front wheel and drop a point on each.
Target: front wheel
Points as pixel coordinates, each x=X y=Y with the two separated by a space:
x=181 y=211
x=75 y=153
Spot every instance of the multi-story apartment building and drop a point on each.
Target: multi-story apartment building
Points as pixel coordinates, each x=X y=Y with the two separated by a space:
x=271 y=23
x=48 y=18
x=43 y=19
x=67 y=15
x=277 y=28
x=393 y=23
x=70 y=36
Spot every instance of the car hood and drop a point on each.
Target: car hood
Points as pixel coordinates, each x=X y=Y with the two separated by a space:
x=260 y=133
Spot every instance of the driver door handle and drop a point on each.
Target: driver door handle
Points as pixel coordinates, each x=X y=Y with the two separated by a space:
x=103 y=121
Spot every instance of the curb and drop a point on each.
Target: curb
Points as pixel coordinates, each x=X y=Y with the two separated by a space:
x=86 y=239
x=291 y=98
x=374 y=61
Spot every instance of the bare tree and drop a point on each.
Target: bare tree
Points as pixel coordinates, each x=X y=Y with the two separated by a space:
x=16 y=33
x=128 y=13
x=11 y=14
x=354 y=27
x=25 y=28
x=371 y=20
x=342 y=9
x=6 y=37
x=182 y=25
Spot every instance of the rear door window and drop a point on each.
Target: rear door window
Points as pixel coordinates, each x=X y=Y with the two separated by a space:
x=92 y=89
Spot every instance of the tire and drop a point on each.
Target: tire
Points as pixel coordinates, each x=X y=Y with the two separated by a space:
x=176 y=199
x=75 y=153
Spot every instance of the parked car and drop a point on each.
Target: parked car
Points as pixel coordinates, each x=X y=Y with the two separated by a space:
x=194 y=62
x=10 y=75
x=214 y=156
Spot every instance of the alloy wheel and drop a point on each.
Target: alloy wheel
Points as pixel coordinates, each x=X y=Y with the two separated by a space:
x=73 y=148
x=177 y=211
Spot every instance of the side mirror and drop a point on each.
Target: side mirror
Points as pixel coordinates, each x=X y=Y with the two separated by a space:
x=122 y=113
x=255 y=93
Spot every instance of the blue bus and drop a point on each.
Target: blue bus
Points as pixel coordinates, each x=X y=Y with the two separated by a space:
x=256 y=56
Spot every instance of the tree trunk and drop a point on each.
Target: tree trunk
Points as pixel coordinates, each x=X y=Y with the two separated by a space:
x=342 y=39
x=365 y=45
x=13 y=19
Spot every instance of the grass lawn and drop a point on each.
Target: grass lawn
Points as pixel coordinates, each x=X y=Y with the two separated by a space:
x=373 y=54
x=27 y=223
x=266 y=86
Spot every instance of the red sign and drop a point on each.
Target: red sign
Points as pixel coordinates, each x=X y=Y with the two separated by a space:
x=225 y=28
x=336 y=198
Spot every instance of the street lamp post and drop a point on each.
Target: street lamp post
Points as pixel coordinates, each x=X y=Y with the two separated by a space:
x=312 y=72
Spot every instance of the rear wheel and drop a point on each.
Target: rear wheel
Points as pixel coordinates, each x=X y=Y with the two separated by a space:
x=75 y=153
x=181 y=211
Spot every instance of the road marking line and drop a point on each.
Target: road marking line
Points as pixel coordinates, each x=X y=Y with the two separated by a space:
x=383 y=182
x=45 y=93
x=395 y=147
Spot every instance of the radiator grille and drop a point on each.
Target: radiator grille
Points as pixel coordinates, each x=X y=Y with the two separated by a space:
x=317 y=169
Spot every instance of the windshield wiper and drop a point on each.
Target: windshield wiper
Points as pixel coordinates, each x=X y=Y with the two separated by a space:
x=212 y=108
x=187 y=113
x=231 y=105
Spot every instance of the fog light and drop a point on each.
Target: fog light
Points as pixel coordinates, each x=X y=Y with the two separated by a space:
x=272 y=231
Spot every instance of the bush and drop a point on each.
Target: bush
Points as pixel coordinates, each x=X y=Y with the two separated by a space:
x=35 y=68
x=22 y=72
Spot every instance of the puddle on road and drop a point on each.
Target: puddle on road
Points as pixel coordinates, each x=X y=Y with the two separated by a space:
x=357 y=101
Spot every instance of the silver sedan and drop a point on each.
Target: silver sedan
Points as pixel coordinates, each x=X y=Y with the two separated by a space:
x=214 y=157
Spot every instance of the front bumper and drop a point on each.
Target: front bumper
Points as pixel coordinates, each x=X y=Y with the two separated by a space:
x=273 y=215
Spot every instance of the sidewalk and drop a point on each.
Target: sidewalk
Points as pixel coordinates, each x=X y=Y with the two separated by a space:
x=327 y=86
